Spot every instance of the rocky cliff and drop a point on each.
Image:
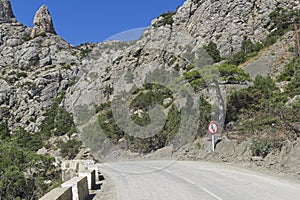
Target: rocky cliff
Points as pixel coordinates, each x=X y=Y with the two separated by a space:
x=37 y=65
x=226 y=22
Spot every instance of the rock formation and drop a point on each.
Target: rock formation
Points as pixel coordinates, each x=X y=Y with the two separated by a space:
x=6 y=13
x=42 y=22
x=35 y=70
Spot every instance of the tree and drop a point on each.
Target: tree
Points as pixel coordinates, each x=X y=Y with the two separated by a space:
x=4 y=131
x=195 y=79
x=30 y=142
x=204 y=116
x=233 y=75
x=167 y=19
x=213 y=51
x=70 y=148
x=23 y=172
x=237 y=101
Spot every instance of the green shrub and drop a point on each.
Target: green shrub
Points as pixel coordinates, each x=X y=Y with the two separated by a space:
x=177 y=67
x=5 y=112
x=270 y=39
x=248 y=47
x=23 y=173
x=230 y=74
x=85 y=52
x=238 y=58
x=198 y=144
x=262 y=106
x=264 y=87
x=172 y=125
x=57 y=120
x=167 y=19
x=237 y=101
x=28 y=141
x=255 y=98
x=195 y=79
x=109 y=126
x=150 y=95
x=143 y=120
x=4 y=131
x=172 y=60
x=70 y=148
x=289 y=70
x=213 y=51
x=263 y=147
x=248 y=50
x=205 y=110
x=66 y=67
x=280 y=19
x=21 y=74
x=27 y=38
x=114 y=133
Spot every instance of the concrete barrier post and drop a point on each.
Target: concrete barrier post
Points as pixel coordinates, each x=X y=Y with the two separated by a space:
x=91 y=178
x=79 y=186
x=64 y=193
x=94 y=167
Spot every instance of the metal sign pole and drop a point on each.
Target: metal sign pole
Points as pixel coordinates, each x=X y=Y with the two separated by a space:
x=213 y=129
x=213 y=142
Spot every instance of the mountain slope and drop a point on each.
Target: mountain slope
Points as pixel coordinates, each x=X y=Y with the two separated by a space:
x=41 y=73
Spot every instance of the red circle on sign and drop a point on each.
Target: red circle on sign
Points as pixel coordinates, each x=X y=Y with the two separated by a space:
x=213 y=127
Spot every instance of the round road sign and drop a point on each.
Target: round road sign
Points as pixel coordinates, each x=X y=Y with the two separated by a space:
x=213 y=127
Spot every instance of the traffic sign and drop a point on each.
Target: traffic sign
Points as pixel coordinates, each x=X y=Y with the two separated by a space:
x=213 y=127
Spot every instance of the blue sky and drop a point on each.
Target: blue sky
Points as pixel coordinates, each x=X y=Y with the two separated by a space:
x=80 y=21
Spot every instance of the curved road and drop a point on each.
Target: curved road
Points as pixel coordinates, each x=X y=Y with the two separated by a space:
x=185 y=180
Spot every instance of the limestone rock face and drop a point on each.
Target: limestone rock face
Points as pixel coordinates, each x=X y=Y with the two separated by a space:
x=226 y=22
x=36 y=67
x=42 y=22
x=6 y=13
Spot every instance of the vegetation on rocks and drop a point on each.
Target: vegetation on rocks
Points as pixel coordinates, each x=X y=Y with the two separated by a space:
x=213 y=51
x=263 y=108
x=263 y=147
x=229 y=74
x=70 y=148
x=57 y=120
x=143 y=100
x=23 y=173
x=166 y=19
x=281 y=21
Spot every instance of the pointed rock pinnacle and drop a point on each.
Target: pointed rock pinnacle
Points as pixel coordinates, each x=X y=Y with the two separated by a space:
x=42 y=22
x=6 y=13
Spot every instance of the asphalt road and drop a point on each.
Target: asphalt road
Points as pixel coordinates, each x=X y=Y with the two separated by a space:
x=185 y=180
